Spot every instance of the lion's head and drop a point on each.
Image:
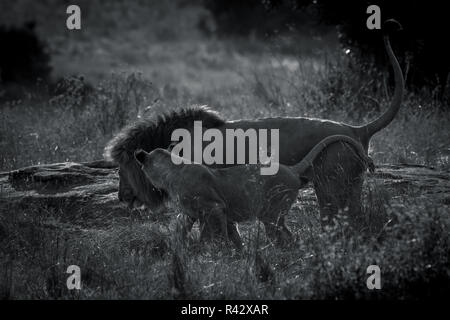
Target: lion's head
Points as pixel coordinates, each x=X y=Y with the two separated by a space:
x=149 y=134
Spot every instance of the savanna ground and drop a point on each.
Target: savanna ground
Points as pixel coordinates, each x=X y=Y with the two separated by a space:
x=138 y=62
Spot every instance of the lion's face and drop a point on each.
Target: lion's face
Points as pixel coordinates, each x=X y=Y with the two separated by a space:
x=136 y=189
x=126 y=193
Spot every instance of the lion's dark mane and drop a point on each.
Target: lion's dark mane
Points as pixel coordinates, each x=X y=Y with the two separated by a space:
x=151 y=133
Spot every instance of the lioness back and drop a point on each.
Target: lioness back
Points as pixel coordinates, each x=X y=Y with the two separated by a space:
x=249 y=194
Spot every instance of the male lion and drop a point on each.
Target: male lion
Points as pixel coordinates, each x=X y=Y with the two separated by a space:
x=239 y=193
x=337 y=175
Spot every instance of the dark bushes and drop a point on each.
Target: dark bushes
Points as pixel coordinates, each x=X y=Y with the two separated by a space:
x=421 y=46
x=24 y=58
x=257 y=17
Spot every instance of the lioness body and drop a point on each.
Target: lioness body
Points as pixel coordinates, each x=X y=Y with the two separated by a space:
x=237 y=193
x=243 y=189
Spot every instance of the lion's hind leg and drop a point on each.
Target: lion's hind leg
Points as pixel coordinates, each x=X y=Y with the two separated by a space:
x=338 y=177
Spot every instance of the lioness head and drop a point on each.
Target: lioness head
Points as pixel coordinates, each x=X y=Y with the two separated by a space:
x=156 y=165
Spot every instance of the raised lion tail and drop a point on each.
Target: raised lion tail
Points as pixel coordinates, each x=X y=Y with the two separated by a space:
x=368 y=130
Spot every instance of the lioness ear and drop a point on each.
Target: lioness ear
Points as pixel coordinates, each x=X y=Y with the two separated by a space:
x=139 y=155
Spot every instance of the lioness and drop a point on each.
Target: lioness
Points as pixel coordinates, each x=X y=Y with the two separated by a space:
x=337 y=175
x=238 y=193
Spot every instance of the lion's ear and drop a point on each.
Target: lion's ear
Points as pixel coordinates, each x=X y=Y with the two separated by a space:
x=140 y=155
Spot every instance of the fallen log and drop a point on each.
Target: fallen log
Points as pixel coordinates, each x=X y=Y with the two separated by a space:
x=85 y=194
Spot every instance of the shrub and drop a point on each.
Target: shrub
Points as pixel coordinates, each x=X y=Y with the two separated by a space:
x=24 y=57
x=75 y=124
x=419 y=45
x=258 y=17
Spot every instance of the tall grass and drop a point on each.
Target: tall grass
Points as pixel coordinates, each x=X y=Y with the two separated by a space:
x=336 y=87
x=141 y=259
x=73 y=125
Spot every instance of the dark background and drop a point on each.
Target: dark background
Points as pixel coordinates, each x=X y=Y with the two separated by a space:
x=424 y=55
